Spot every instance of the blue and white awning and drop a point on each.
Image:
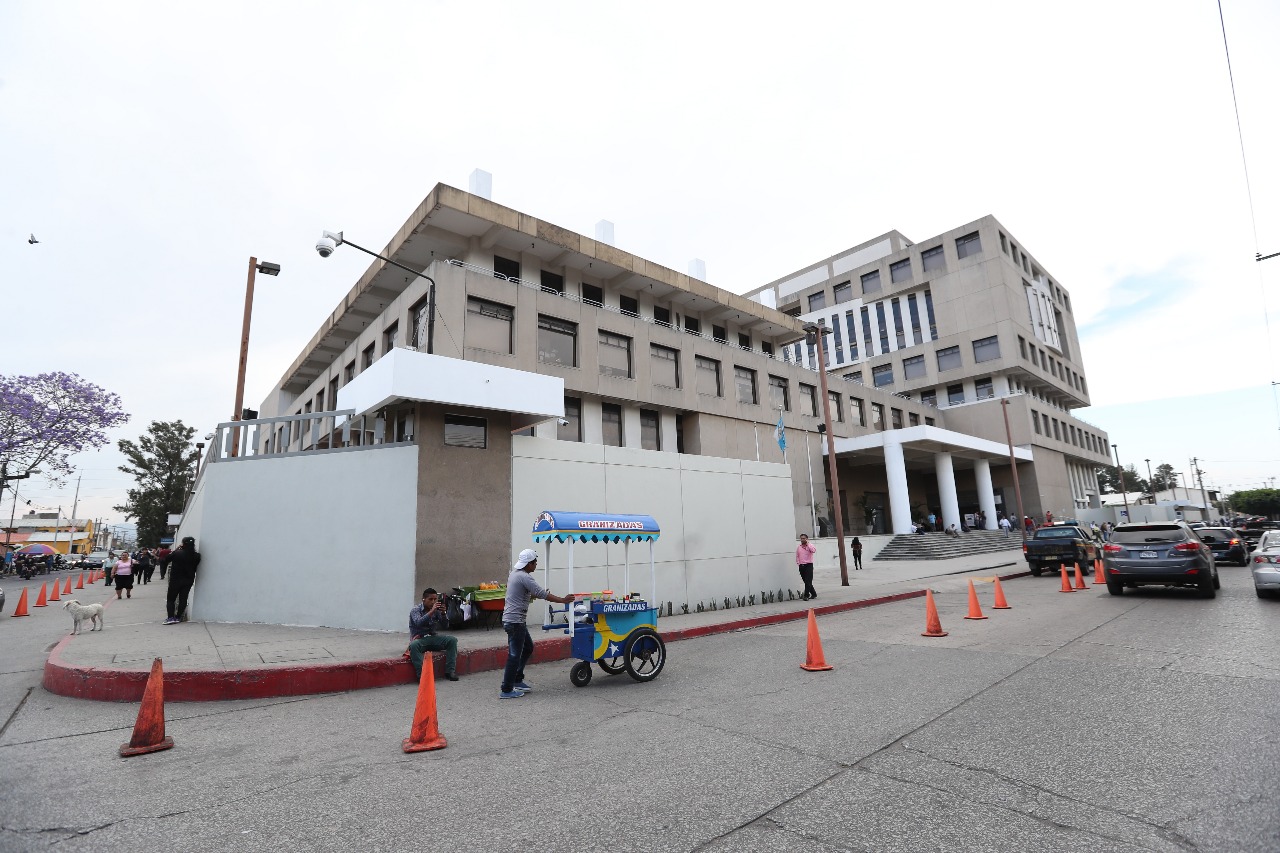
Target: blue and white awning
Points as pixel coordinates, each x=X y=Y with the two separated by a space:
x=594 y=527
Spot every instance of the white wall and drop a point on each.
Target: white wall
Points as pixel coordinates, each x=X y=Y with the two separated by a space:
x=324 y=539
x=726 y=523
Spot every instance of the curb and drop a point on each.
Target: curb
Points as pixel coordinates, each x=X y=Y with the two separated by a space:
x=116 y=685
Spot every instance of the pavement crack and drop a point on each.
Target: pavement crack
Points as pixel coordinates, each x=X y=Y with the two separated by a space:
x=767 y=812
x=17 y=708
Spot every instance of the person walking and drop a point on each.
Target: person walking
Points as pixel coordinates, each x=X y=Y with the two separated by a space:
x=933 y=522
x=521 y=589
x=856 y=548
x=182 y=575
x=122 y=572
x=1005 y=525
x=144 y=565
x=804 y=562
x=161 y=556
x=425 y=619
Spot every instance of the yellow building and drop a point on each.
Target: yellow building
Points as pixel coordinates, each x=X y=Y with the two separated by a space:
x=64 y=535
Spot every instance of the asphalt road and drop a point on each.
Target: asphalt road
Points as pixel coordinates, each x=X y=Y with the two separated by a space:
x=1074 y=722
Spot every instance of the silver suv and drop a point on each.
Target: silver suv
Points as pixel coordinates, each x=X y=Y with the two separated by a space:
x=1165 y=553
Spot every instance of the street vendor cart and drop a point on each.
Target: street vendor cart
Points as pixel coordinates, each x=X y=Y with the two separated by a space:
x=617 y=631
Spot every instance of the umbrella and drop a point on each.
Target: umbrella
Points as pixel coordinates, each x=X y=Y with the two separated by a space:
x=36 y=549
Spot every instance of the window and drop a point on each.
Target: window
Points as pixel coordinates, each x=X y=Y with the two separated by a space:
x=489 y=325
x=817 y=300
x=419 y=319
x=744 y=341
x=913 y=311
x=779 y=393
x=720 y=334
x=948 y=359
x=933 y=259
x=837 y=411
x=871 y=282
x=349 y=372
x=629 y=306
x=664 y=366
x=571 y=430
x=707 y=371
x=650 y=430
x=552 y=282
x=928 y=421
x=900 y=271
x=857 y=411
x=987 y=349
x=969 y=244
x=898 y=333
x=855 y=376
x=614 y=355
x=1057 y=433
x=882 y=375
x=611 y=424
x=1022 y=347
x=766 y=348
x=662 y=316
x=505 y=267
x=557 y=341
x=929 y=398
x=955 y=395
x=366 y=360
x=333 y=393
x=1004 y=243
x=809 y=400
x=895 y=418
x=983 y=389
x=692 y=325
x=1035 y=357
x=592 y=295
x=843 y=292
x=884 y=328
x=1026 y=265
x=745 y=380
x=913 y=368
x=866 y=331
x=1035 y=419
x=913 y=419
x=928 y=308
x=877 y=416
x=461 y=431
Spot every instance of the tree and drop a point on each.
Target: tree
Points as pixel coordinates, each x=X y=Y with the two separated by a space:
x=1165 y=477
x=48 y=418
x=1110 y=481
x=1257 y=502
x=163 y=463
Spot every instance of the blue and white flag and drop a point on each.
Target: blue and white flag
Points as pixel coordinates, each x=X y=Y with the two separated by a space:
x=780 y=434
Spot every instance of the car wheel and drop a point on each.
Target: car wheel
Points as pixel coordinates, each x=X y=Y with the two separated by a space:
x=1036 y=571
x=1114 y=586
x=1205 y=587
x=1217 y=581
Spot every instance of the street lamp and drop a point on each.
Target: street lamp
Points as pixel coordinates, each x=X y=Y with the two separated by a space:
x=4 y=483
x=330 y=240
x=266 y=268
x=814 y=334
x=1150 y=482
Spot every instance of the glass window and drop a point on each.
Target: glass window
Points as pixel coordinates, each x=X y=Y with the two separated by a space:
x=708 y=373
x=986 y=349
x=882 y=375
x=928 y=421
x=333 y=393
x=969 y=244
x=877 y=416
x=592 y=295
x=817 y=300
x=913 y=368
x=913 y=418
x=1035 y=421
x=955 y=395
x=661 y=316
x=914 y=311
x=460 y=431
x=851 y=327
x=1057 y=433
x=871 y=282
x=933 y=259
x=650 y=430
x=809 y=400
x=766 y=348
x=611 y=424
x=349 y=372
x=898 y=333
x=557 y=341
x=692 y=325
x=745 y=380
x=720 y=334
x=895 y=418
x=855 y=376
x=858 y=411
x=900 y=271
x=843 y=292
x=744 y=341
x=983 y=389
x=629 y=306
x=1004 y=243
x=664 y=366
x=779 y=393
x=948 y=358
x=837 y=411
x=929 y=397
x=866 y=331
x=505 y=267
x=571 y=429
x=1022 y=346
x=552 y=282
x=367 y=358
x=419 y=319
x=884 y=328
x=489 y=325
x=614 y=355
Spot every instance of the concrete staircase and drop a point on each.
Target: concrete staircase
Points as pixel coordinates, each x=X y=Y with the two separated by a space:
x=939 y=546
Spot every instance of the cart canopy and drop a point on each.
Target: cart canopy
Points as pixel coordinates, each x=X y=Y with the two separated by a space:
x=594 y=527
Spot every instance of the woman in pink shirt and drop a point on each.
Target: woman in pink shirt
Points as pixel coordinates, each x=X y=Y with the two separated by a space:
x=123 y=573
x=804 y=561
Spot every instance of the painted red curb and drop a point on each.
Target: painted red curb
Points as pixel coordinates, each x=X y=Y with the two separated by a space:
x=120 y=685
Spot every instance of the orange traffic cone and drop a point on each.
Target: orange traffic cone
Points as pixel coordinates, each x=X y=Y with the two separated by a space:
x=975 y=612
x=148 y=731
x=1066 y=584
x=21 y=609
x=67 y=591
x=53 y=594
x=41 y=601
x=1080 y=584
x=932 y=625
x=1099 y=573
x=813 y=659
x=80 y=581
x=1000 y=604
x=425 y=732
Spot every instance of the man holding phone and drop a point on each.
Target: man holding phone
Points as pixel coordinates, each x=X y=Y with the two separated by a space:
x=425 y=620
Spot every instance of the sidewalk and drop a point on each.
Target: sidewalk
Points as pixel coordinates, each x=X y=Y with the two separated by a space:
x=209 y=661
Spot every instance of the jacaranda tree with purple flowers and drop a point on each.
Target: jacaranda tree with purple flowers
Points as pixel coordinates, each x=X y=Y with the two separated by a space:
x=46 y=419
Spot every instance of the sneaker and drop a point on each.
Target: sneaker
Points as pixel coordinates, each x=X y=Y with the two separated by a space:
x=520 y=685
x=512 y=694
x=451 y=676
x=172 y=620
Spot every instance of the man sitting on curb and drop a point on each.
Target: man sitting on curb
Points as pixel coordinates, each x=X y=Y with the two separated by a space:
x=424 y=620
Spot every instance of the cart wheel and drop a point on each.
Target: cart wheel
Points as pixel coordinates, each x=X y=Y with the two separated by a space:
x=580 y=675
x=614 y=665
x=645 y=654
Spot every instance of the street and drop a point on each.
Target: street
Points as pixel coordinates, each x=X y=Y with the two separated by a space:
x=1080 y=722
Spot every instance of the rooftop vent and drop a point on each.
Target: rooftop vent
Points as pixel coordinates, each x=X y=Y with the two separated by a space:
x=482 y=184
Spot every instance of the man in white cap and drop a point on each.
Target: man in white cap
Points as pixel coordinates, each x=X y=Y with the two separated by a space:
x=521 y=589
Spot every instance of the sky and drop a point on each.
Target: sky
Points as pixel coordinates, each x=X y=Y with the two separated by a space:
x=152 y=148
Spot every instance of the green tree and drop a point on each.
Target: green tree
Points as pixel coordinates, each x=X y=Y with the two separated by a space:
x=1110 y=481
x=1257 y=502
x=162 y=462
x=1163 y=480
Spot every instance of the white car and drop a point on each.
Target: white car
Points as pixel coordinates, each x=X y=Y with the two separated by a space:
x=1265 y=563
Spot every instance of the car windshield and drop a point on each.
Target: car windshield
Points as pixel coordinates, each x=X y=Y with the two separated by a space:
x=1056 y=533
x=1216 y=534
x=1139 y=535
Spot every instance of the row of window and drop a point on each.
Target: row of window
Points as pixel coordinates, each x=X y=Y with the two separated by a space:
x=932 y=260
x=611 y=427
x=1020 y=258
x=906 y=330
x=913 y=367
x=1041 y=359
x=1063 y=431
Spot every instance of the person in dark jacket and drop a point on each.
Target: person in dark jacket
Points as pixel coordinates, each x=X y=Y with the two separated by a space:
x=425 y=622
x=182 y=565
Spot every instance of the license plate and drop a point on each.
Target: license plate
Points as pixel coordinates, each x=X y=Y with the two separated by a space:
x=1148 y=555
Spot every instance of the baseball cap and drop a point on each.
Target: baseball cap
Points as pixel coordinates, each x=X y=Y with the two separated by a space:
x=527 y=556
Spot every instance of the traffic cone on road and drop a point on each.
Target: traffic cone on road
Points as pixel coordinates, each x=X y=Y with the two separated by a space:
x=21 y=609
x=80 y=581
x=67 y=591
x=1066 y=584
x=932 y=625
x=1000 y=604
x=813 y=659
x=53 y=594
x=975 y=612
x=148 y=731
x=41 y=601
x=1099 y=573
x=1080 y=584
x=425 y=732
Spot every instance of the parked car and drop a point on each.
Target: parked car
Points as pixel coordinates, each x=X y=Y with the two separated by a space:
x=1226 y=544
x=1060 y=545
x=1253 y=530
x=1265 y=563
x=1163 y=553
x=87 y=562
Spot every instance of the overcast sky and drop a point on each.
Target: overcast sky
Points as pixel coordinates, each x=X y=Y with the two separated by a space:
x=153 y=147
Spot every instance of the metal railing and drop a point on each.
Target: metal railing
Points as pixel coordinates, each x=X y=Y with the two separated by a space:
x=307 y=433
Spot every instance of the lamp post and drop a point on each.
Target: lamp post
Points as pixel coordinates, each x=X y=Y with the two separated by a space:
x=1150 y=482
x=1013 y=465
x=330 y=240
x=1124 y=490
x=266 y=268
x=4 y=483
x=815 y=332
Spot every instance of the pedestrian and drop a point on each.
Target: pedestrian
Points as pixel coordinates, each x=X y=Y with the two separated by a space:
x=804 y=562
x=182 y=575
x=122 y=572
x=856 y=548
x=982 y=519
x=161 y=556
x=1005 y=525
x=521 y=589
x=933 y=521
x=425 y=620
x=1048 y=518
x=144 y=565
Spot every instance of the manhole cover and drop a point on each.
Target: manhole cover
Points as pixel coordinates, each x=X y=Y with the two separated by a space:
x=294 y=655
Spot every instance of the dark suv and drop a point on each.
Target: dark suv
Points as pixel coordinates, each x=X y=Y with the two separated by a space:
x=1227 y=545
x=1165 y=553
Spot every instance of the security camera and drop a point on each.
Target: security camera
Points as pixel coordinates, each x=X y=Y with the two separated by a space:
x=328 y=242
x=562 y=421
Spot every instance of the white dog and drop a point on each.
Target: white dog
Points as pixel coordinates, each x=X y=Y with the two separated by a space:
x=81 y=612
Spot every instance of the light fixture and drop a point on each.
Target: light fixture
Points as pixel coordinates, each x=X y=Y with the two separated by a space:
x=268 y=268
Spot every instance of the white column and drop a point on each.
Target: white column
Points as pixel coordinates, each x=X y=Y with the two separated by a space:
x=592 y=432
x=947 y=490
x=986 y=494
x=895 y=469
x=667 y=426
x=631 y=427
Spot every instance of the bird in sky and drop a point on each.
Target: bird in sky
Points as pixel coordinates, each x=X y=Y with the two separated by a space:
x=32 y=240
